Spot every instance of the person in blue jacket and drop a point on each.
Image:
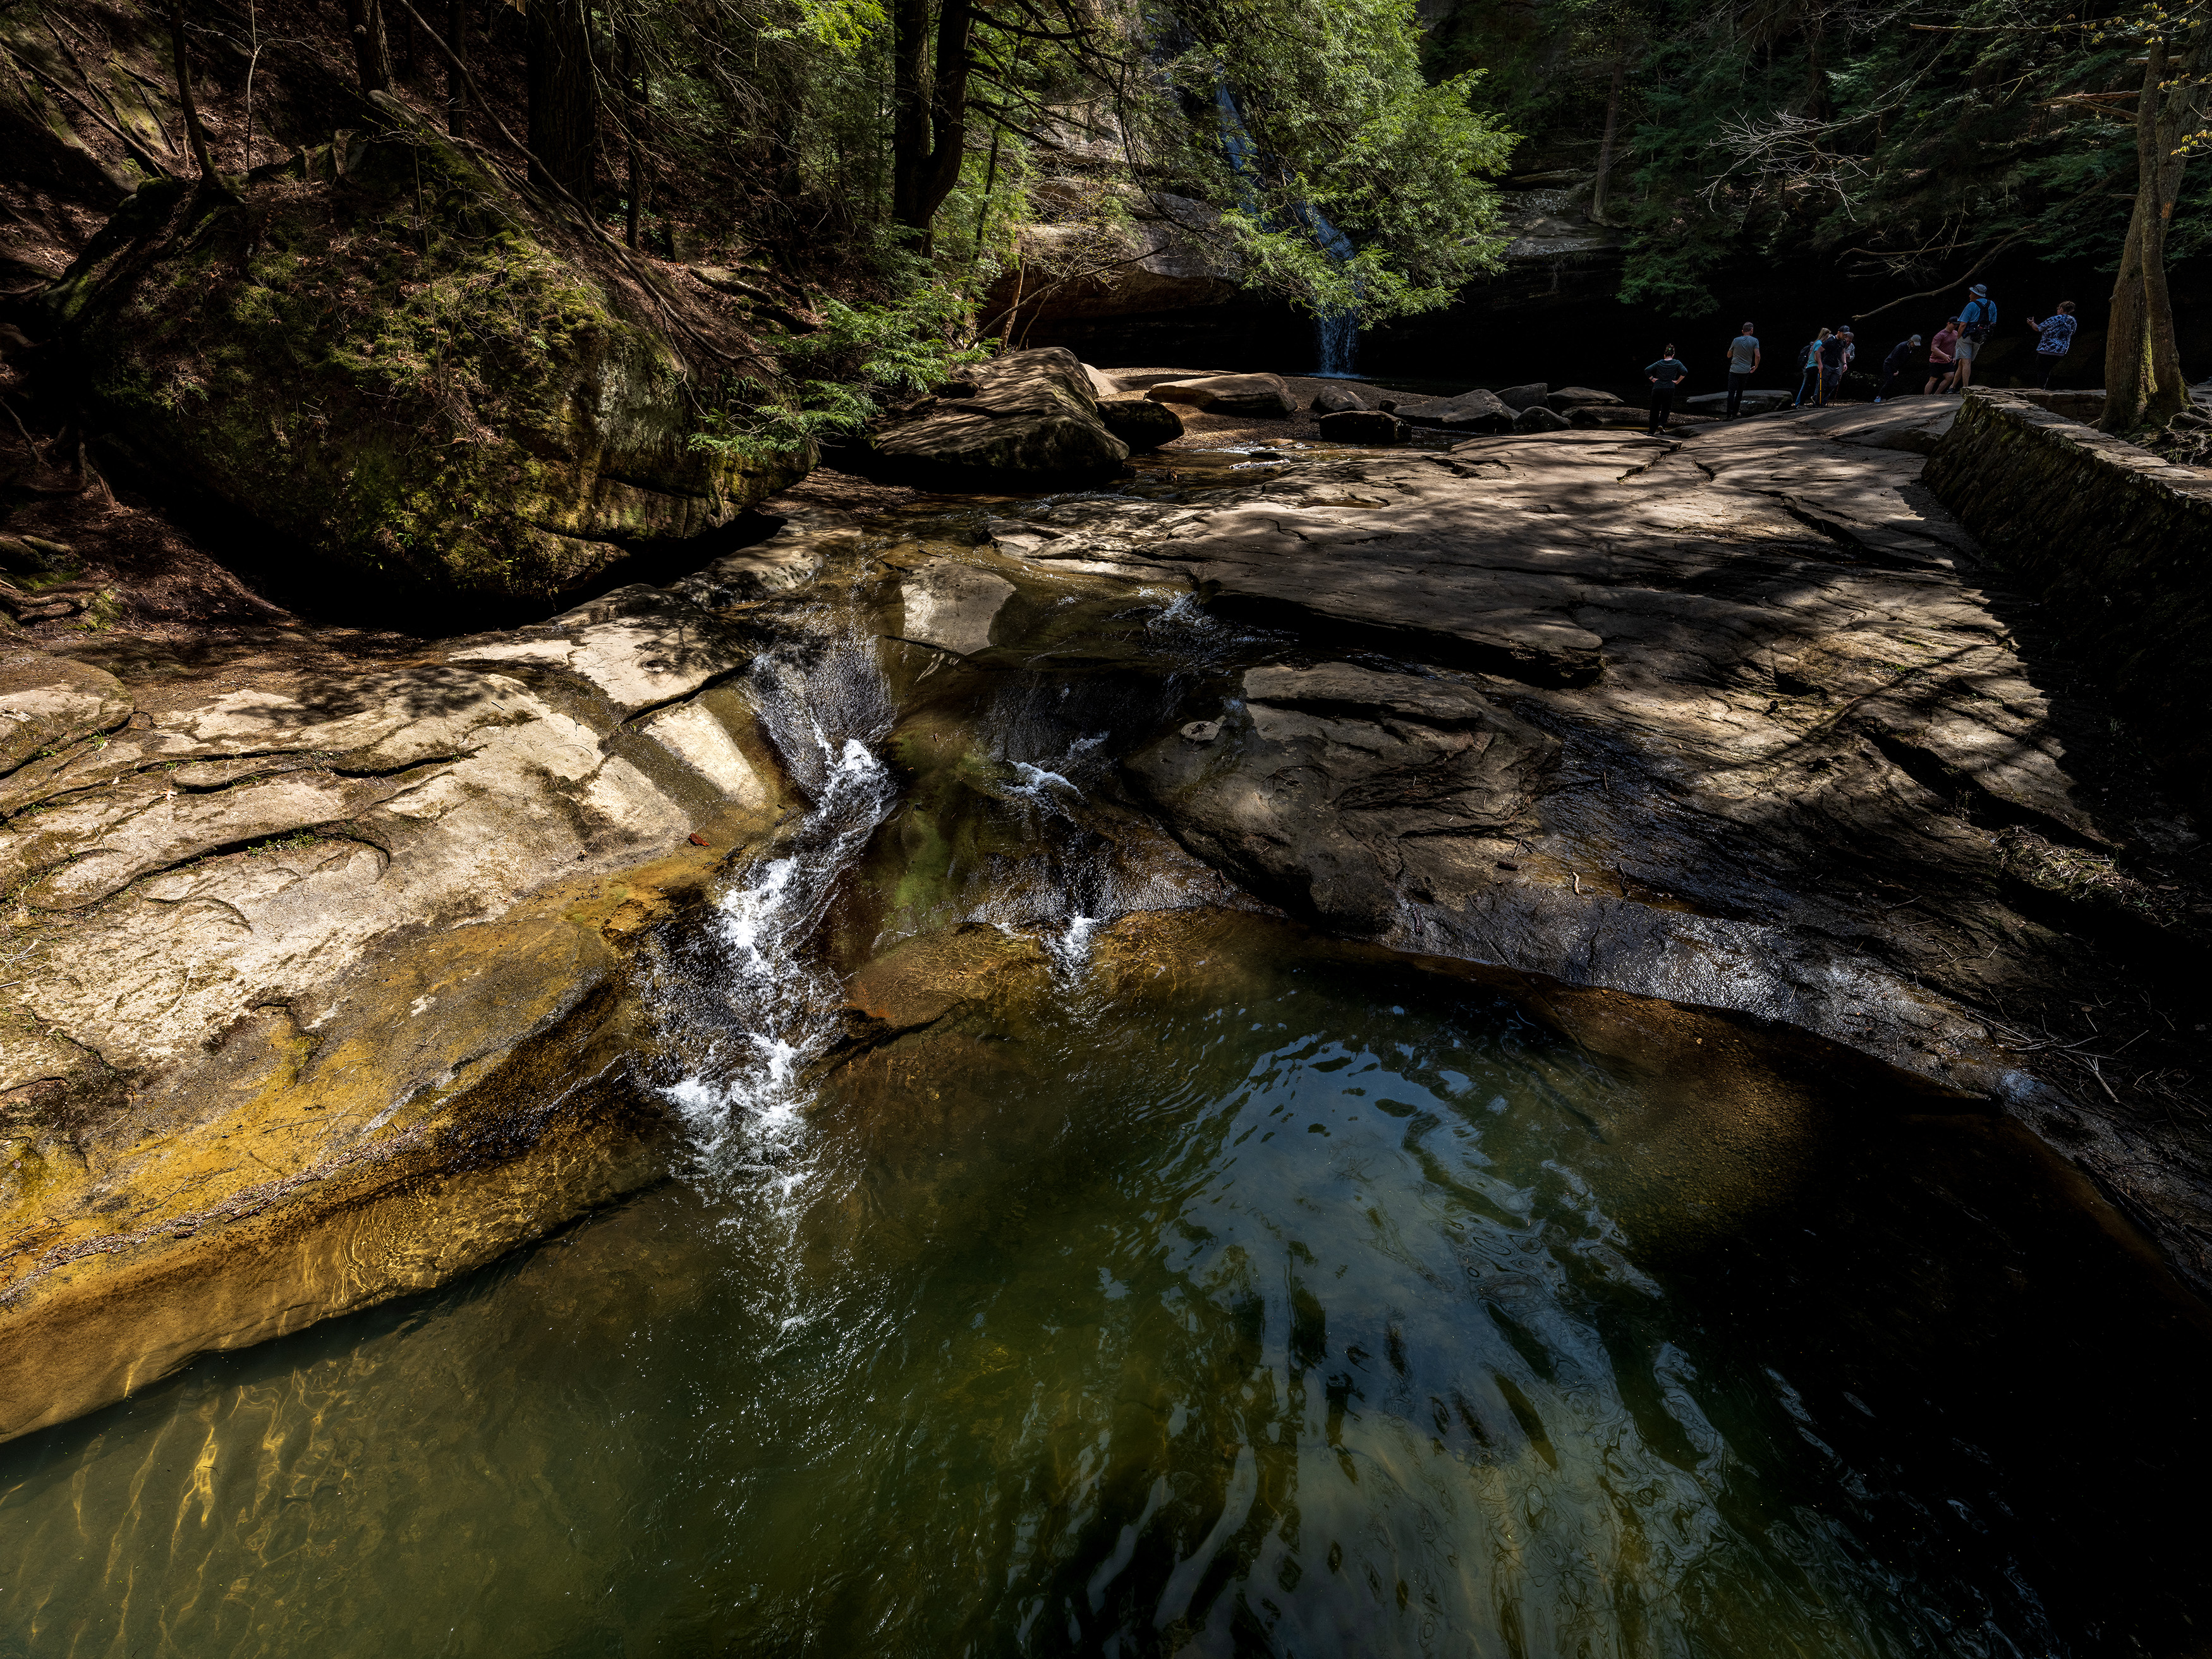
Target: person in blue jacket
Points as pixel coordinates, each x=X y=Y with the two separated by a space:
x=1809 y=367
x=2054 y=339
x=1978 y=319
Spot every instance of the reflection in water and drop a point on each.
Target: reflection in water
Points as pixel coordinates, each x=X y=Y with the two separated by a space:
x=1275 y=1299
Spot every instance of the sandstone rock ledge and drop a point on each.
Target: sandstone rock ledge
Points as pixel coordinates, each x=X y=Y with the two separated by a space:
x=319 y=992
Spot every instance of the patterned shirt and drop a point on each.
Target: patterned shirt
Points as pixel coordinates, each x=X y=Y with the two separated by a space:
x=2058 y=335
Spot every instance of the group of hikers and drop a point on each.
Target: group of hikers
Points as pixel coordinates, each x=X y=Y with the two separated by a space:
x=1825 y=359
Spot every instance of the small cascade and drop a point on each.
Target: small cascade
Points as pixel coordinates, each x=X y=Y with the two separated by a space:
x=754 y=1012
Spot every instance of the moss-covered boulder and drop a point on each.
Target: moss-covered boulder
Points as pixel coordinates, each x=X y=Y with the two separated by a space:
x=383 y=350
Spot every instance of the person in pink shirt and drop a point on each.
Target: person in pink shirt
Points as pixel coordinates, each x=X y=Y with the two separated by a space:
x=1942 y=358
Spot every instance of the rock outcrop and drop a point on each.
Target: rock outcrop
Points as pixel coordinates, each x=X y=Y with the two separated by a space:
x=1027 y=417
x=386 y=354
x=321 y=992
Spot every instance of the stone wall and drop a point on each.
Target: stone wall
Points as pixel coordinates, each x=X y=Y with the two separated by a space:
x=2114 y=544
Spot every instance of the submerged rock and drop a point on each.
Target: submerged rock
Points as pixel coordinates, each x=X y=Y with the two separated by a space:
x=1027 y=417
x=385 y=353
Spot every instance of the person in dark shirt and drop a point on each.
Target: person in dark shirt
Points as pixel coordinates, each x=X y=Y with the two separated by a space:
x=1665 y=375
x=1899 y=366
x=1836 y=355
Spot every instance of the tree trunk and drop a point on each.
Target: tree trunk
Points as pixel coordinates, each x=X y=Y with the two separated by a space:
x=457 y=84
x=565 y=135
x=1598 y=192
x=634 y=98
x=372 y=53
x=195 y=134
x=929 y=109
x=2143 y=381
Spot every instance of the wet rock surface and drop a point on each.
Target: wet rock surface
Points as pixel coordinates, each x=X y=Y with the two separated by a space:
x=1736 y=721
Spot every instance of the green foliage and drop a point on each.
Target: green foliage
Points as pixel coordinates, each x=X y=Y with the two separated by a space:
x=838 y=376
x=1292 y=116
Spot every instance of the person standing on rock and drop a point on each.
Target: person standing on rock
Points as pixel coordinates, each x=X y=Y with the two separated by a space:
x=1665 y=375
x=1978 y=316
x=2054 y=339
x=1808 y=368
x=1744 y=363
x=1898 y=366
x=1942 y=356
x=1836 y=355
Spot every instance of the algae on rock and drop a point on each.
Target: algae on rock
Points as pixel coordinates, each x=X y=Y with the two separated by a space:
x=382 y=351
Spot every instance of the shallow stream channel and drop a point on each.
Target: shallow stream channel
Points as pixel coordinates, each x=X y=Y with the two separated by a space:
x=1066 y=1253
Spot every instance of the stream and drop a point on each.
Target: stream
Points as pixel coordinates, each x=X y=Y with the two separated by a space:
x=1198 y=1285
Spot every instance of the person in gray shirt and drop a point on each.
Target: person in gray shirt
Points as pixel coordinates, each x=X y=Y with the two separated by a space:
x=1744 y=363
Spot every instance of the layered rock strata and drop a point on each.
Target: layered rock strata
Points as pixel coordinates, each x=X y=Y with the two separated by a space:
x=319 y=992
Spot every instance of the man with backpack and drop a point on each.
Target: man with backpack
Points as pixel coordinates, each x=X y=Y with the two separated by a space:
x=1808 y=368
x=1976 y=320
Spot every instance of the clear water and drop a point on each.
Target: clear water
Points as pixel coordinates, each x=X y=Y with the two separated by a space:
x=1244 y=1297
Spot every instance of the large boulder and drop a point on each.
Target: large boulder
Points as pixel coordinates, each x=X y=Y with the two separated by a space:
x=1518 y=397
x=1537 y=419
x=1362 y=426
x=1139 y=423
x=1265 y=396
x=1471 y=412
x=384 y=353
x=1579 y=397
x=1336 y=400
x=1028 y=417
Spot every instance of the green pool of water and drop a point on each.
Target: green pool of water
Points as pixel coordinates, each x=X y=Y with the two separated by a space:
x=1295 y=1301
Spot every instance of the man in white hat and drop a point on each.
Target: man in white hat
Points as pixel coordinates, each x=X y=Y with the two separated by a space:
x=1976 y=320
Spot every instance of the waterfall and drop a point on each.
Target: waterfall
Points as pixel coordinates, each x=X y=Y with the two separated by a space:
x=1336 y=328
x=752 y=1011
